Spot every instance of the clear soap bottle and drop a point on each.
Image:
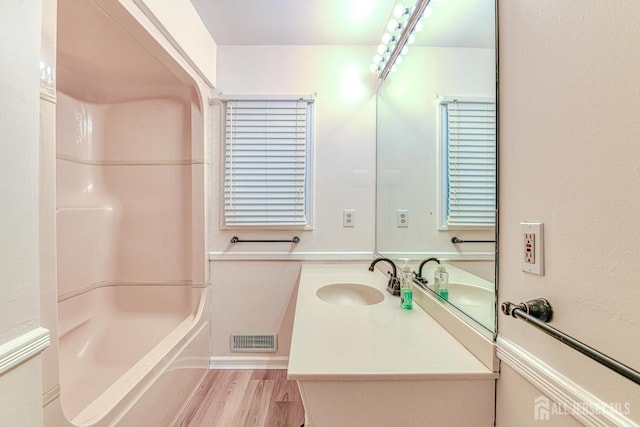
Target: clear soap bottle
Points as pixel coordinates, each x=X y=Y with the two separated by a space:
x=441 y=282
x=406 y=289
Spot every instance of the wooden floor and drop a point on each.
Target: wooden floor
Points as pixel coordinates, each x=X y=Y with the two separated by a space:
x=243 y=398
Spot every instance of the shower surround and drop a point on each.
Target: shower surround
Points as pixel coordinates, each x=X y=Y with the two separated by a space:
x=132 y=327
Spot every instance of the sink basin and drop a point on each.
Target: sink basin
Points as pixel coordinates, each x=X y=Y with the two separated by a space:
x=469 y=295
x=476 y=302
x=350 y=294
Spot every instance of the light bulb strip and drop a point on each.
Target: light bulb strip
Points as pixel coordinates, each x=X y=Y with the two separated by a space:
x=415 y=17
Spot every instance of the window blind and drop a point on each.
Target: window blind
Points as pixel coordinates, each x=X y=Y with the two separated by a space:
x=266 y=154
x=471 y=162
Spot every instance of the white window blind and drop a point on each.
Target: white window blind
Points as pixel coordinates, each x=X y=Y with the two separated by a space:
x=267 y=155
x=469 y=144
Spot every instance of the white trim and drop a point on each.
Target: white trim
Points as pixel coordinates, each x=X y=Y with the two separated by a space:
x=558 y=387
x=442 y=256
x=310 y=97
x=22 y=348
x=248 y=362
x=155 y=21
x=48 y=94
x=50 y=395
x=291 y=256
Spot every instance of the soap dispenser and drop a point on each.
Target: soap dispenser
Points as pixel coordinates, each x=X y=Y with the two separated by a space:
x=406 y=290
x=441 y=282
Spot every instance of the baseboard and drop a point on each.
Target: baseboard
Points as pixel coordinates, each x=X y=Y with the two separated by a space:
x=565 y=393
x=22 y=348
x=248 y=362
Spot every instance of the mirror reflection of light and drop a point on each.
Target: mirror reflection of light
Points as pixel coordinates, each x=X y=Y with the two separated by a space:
x=360 y=11
x=427 y=12
x=352 y=85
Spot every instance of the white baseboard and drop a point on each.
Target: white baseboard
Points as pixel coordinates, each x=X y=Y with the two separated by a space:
x=22 y=348
x=559 y=388
x=248 y=362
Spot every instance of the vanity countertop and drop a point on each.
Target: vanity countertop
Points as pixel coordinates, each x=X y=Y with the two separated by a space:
x=374 y=342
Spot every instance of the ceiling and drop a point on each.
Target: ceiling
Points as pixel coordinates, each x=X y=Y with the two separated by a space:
x=453 y=23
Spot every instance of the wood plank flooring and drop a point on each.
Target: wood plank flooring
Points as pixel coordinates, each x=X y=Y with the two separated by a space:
x=244 y=398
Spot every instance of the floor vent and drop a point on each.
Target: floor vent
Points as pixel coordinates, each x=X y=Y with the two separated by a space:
x=261 y=343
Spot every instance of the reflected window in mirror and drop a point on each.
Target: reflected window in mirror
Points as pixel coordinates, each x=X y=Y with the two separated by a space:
x=468 y=163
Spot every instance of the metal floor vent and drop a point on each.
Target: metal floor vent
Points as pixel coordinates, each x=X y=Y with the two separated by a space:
x=261 y=343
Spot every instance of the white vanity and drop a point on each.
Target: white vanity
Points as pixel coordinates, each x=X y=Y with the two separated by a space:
x=361 y=360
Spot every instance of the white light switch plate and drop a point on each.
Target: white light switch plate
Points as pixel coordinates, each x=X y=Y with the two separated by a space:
x=531 y=247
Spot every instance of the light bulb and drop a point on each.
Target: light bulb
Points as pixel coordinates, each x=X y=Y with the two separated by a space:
x=374 y=68
x=399 y=11
x=394 y=68
x=382 y=49
x=398 y=60
x=419 y=26
x=377 y=59
x=393 y=26
x=411 y=39
x=404 y=50
x=386 y=38
x=427 y=12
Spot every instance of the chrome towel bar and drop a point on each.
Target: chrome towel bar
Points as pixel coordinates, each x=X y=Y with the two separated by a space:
x=538 y=311
x=456 y=241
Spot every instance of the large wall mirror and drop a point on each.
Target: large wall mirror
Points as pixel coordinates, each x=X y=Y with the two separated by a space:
x=436 y=153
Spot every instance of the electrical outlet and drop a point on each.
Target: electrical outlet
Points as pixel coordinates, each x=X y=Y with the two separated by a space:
x=532 y=259
x=529 y=248
x=348 y=217
x=402 y=218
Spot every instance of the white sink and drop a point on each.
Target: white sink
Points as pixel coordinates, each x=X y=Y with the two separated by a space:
x=470 y=295
x=350 y=294
x=475 y=301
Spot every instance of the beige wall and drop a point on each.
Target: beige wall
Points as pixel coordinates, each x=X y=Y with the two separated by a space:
x=20 y=25
x=255 y=297
x=569 y=157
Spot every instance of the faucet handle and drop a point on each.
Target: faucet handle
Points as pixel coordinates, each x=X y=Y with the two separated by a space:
x=419 y=279
x=393 y=287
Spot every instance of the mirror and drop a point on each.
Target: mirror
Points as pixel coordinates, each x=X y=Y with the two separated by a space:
x=452 y=61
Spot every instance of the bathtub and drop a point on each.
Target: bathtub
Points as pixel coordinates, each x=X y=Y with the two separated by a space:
x=122 y=346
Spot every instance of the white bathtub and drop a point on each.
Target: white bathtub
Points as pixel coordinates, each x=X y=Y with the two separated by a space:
x=122 y=347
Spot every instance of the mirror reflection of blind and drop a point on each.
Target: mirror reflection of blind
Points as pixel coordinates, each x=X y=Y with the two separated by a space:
x=471 y=162
x=266 y=155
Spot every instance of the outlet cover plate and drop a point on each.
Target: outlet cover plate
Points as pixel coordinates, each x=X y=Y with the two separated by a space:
x=402 y=218
x=348 y=217
x=531 y=247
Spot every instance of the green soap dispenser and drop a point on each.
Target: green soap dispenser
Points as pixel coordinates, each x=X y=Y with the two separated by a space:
x=406 y=289
x=441 y=282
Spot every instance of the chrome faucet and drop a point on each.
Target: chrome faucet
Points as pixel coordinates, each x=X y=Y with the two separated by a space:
x=393 y=286
x=418 y=276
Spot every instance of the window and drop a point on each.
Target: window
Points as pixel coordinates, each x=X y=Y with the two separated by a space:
x=267 y=162
x=468 y=147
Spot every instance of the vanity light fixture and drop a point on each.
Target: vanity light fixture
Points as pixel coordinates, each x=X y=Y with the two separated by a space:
x=404 y=22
